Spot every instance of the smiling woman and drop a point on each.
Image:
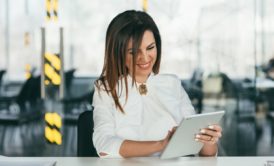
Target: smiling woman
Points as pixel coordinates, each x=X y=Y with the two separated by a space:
x=145 y=59
x=136 y=110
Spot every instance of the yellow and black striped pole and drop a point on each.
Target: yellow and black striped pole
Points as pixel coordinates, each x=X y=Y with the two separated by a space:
x=28 y=73
x=28 y=68
x=53 y=128
x=48 y=10
x=55 y=10
x=52 y=70
x=52 y=8
x=52 y=84
x=145 y=5
x=52 y=67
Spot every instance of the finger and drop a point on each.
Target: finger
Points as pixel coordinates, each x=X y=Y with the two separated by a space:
x=171 y=134
x=205 y=142
x=211 y=141
x=215 y=127
x=212 y=133
x=174 y=129
x=209 y=132
x=168 y=135
x=203 y=137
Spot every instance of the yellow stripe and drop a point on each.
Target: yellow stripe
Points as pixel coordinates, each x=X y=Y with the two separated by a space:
x=48 y=70
x=58 y=137
x=57 y=120
x=47 y=18
x=56 y=79
x=48 y=5
x=50 y=73
x=55 y=10
x=53 y=119
x=55 y=5
x=145 y=5
x=48 y=134
x=55 y=18
x=54 y=60
x=28 y=71
x=48 y=9
x=46 y=82
x=55 y=63
x=53 y=135
x=49 y=119
x=28 y=75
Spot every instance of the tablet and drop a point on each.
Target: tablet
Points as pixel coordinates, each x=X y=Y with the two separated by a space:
x=183 y=142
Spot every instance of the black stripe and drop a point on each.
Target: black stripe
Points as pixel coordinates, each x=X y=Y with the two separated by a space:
x=48 y=14
x=55 y=13
x=53 y=127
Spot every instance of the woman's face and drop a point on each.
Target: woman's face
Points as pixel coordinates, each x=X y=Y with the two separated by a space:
x=146 y=57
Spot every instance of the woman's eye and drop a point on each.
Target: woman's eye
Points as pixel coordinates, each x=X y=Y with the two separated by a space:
x=150 y=48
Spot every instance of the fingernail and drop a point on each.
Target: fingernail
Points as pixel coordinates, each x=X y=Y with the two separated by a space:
x=203 y=131
x=196 y=140
x=198 y=136
x=211 y=127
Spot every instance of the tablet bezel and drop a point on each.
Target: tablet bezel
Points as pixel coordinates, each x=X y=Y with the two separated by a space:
x=183 y=142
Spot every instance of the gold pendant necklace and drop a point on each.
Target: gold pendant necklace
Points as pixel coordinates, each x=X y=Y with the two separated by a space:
x=143 y=89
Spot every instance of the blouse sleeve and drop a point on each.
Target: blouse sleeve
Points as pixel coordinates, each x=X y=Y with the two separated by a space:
x=185 y=103
x=104 y=138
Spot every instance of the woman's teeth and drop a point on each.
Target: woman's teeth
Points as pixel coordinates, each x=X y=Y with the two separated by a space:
x=144 y=66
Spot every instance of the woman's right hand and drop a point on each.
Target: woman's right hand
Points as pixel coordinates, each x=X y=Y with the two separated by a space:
x=164 y=142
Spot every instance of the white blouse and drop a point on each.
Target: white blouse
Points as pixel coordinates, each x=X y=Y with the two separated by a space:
x=147 y=117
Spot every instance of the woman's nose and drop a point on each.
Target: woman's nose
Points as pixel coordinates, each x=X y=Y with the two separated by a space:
x=143 y=56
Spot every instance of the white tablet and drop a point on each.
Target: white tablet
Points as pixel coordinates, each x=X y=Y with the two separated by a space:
x=183 y=142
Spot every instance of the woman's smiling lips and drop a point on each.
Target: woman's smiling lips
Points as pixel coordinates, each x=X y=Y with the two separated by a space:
x=144 y=66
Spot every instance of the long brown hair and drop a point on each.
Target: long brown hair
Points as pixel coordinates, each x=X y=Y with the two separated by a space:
x=128 y=25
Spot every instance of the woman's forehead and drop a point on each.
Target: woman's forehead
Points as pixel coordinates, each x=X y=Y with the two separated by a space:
x=147 y=39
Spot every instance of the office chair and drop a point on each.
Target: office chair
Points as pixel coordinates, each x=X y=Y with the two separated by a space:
x=2 y=73
x=85 y=146
x=28 y=95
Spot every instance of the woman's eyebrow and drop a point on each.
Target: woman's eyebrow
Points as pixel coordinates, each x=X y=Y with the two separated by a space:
x=151 y=44
x=130 y=49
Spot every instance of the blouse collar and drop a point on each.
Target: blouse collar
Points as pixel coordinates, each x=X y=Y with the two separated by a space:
x=138 y=83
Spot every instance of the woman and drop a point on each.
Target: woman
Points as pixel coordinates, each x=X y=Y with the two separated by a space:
x=135 y=108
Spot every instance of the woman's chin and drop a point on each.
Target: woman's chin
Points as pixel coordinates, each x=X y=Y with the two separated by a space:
x=144 y=73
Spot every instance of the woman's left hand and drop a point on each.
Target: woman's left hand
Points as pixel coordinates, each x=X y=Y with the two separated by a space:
x=209 y=135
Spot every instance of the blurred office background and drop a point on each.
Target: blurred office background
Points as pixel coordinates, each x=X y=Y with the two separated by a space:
x=221 y=49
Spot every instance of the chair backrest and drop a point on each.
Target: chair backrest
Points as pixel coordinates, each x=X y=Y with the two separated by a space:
x=2 y=72
x=26 y=90
x=69 y=75
x=85 y=146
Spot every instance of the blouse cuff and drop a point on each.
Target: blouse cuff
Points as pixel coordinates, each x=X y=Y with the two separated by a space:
x=114 y=152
